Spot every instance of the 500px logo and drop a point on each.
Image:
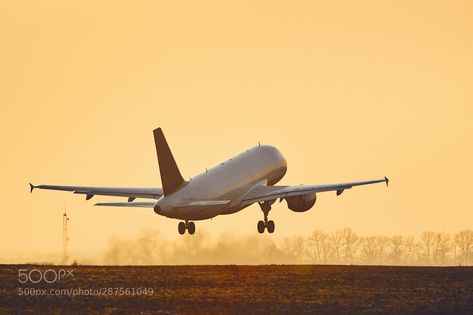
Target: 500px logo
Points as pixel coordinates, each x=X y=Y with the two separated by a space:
x=48 y=276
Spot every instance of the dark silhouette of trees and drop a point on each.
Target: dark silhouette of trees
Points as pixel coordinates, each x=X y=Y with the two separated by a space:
x=441 y=248
x=346 y=247
x=464 y=241
x=319 y=247
x=295 y=246
x=349 y=244
x=396 y=249
x=427 y=239
x=381 y=244
x=336 y=244
x=368 y=250
x=412 y=251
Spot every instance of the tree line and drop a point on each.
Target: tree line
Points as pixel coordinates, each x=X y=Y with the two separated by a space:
x=346 y=247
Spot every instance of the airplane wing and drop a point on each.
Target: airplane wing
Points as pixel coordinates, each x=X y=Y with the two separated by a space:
x=131 y=193
x=126 y=204
x=266 y=193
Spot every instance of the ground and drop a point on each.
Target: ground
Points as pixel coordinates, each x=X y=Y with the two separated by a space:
x=295 y=289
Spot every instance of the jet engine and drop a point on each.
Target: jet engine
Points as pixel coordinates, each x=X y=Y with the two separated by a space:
x=301 y=203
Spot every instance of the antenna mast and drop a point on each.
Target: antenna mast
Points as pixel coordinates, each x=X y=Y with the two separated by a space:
x=65 y=238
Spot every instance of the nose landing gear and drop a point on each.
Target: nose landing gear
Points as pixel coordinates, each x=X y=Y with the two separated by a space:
x=268 y=224
x=183 y=226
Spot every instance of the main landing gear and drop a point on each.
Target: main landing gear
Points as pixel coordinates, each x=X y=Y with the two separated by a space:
x=266 y=224
x=183 y=226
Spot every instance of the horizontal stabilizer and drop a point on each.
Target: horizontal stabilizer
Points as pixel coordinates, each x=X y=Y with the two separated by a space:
x=126 y=204
x=203 y=203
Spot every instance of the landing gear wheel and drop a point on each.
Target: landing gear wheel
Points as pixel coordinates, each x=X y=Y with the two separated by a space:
x=266 y=224
x=181 y=227
x=191 y=228
x=260 y=227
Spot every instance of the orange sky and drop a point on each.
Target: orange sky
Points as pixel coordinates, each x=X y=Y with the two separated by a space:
x=347 y=91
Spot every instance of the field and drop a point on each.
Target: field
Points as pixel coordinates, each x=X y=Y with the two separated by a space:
x=237 y=289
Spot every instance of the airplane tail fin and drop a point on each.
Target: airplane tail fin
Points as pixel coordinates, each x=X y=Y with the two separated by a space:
x=171 y=178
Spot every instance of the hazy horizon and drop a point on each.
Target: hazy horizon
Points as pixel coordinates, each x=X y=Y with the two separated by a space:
x=341 y=247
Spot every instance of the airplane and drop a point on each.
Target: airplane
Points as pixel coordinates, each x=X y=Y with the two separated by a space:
x=247 y=178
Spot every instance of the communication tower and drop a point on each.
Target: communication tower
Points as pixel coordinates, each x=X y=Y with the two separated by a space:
x=65 y=238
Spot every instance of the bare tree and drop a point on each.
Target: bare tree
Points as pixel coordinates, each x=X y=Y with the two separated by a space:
x=456 y=258
x=464 y=240
x=397 y=249
x=336 y=245
x=427 y=239
x=295 y=246
x=319 y=247
x=381 y=245
x=368 y=249
x=412 y=249
x=345 y=247
x=441 y=248
x=349 y=242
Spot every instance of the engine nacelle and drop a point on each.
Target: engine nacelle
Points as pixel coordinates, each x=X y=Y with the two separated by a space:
x=301 y=203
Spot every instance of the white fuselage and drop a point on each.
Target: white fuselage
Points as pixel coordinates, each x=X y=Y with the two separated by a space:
x=230 y=180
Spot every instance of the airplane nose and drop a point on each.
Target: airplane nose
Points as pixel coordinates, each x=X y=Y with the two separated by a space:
x=283 y=162
x=281 y=159
x=157 y=209
x=276 y=156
